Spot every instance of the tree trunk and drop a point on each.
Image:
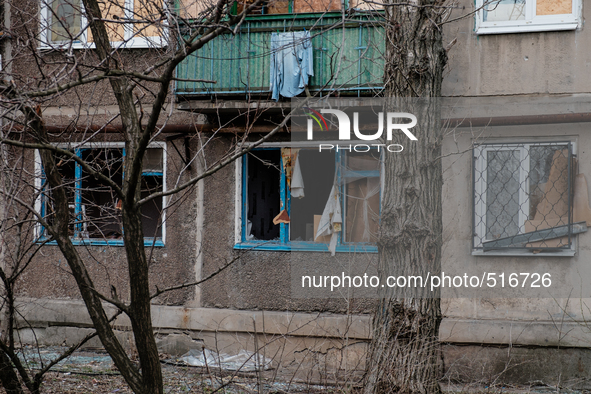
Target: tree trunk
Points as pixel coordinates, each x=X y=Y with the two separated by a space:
x=140 y=306
x=405 y=350
x=8 y=377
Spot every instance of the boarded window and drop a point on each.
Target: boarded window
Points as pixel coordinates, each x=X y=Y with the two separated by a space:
x=554 y=7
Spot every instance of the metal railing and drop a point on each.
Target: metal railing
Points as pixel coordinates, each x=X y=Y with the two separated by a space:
x=348 y=55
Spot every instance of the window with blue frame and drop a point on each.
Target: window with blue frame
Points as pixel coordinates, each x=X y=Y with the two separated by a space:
x=277 y=217
x=94 y=206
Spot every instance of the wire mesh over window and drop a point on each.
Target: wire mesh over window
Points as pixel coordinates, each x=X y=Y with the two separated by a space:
x=523 y=196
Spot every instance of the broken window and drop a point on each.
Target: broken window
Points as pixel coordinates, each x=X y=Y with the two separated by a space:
x=513 y=16
x=361 y=175
x=95 y=209
x=317 y=171
x=302 y=198
x=523 y=197
x=263 y=188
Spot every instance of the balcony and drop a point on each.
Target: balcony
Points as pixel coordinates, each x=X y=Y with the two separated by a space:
x=348 y=56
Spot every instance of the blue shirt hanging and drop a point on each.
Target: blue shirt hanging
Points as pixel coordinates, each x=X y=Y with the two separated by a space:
x=291 y=63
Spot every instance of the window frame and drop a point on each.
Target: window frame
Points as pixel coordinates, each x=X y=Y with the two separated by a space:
x=531 y=23
x=479 y=187
x=285 y=244
x=344 y=5
x=130 y=41
x=76 y=239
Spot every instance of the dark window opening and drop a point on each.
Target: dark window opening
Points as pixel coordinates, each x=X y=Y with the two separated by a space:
x=101 y=210
x=264 y=200
x=152 y=210
x=95 y=209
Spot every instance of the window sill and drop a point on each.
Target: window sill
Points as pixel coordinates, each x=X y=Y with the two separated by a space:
x=523 y=253
x=526 y=28
x=304 y=247
x=158 y=243
x=136 y=43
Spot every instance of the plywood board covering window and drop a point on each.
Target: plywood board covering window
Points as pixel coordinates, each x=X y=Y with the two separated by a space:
x=151 y=11
x=316 y=5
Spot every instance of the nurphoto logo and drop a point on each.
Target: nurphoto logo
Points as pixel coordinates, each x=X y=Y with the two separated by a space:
x=393 y=124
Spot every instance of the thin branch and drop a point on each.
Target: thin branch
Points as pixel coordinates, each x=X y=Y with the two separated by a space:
x=71 y=155
x=191 y=284
x=223 y=163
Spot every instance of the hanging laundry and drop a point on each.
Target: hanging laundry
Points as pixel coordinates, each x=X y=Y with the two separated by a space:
x=331 y=220
x=291 y=63
x=297 y=181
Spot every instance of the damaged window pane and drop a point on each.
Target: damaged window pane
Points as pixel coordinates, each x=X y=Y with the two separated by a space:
x=95 y=208
x=317 y=169
x=301 y=197
x=101 y=217
x=153 y=160
x=362 y=196
x=67 y=169
x=523 y=195
x=152 y=210
x=263 y=186
x=548 y=178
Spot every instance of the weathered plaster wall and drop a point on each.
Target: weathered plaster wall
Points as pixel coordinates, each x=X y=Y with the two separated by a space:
x=524 y=63
x=49 y=275
x=480 y=319
x=259 y=280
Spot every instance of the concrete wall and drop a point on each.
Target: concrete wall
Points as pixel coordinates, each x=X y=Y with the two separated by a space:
x=258 y=280
x=516 y=64
x=48 y=275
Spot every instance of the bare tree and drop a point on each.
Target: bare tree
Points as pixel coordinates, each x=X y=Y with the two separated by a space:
x=85 y=55
x=405 y=354
x=25 y=130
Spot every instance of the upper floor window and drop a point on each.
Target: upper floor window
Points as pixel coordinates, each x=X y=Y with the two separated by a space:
x=129 y=23
x=94 y=207
x=269 y=7
x=303 y=199
x=516 y=16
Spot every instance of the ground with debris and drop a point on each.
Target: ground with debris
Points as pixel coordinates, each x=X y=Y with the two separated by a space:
x=94 y=372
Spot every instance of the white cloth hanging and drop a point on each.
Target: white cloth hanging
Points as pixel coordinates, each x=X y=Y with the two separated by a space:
x=331 y=220
x=297 y=181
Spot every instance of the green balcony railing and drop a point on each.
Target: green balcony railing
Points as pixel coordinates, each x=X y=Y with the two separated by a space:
x=348 y=56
